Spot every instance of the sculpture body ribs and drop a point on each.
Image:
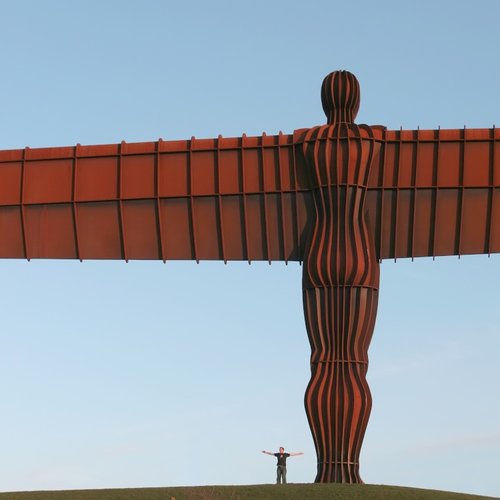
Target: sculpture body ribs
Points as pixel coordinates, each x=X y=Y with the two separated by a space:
x=338 y=197
x=340 y=284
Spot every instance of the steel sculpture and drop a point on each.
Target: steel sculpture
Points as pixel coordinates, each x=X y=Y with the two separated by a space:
x=338 y=197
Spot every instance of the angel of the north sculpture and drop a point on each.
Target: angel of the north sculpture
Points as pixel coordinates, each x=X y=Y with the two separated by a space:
x=338 y=197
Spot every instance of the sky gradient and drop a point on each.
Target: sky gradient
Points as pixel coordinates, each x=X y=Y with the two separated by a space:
x=100 y=386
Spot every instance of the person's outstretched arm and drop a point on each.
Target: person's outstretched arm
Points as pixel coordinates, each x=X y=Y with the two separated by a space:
x=296 y=454
x=268 y=452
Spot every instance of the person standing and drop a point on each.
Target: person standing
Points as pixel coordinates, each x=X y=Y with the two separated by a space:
x=281 y=465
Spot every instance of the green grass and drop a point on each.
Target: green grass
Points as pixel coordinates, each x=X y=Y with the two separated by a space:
x=260 y=492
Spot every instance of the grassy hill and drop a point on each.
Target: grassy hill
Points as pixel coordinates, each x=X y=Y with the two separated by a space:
x=260 y=492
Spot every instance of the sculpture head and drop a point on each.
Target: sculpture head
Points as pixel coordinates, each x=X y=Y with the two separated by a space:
x=340 y=97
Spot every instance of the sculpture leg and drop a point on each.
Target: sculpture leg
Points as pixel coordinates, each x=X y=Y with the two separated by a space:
x=340 y=322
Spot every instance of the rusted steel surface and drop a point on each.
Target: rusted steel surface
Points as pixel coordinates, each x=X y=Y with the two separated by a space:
x=430 y=193
x=224 y=199
x=340 y=280
x=339 y=197
x=437 y=192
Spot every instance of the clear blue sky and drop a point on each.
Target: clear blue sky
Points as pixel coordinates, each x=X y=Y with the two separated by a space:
x=99 y=383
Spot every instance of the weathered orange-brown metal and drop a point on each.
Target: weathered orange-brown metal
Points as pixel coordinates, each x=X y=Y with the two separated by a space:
x=338 y=197
x=340 y=279
x=429 y=193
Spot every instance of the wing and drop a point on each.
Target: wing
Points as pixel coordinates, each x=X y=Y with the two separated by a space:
x=436 y=192
x=223 y=199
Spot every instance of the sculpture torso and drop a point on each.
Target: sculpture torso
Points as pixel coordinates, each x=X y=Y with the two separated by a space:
x=340 y=248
